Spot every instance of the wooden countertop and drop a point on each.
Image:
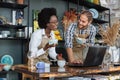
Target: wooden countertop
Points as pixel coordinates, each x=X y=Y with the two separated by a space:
x=64 y=72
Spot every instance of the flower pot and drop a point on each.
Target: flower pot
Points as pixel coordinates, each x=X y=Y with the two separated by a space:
x=20 y=1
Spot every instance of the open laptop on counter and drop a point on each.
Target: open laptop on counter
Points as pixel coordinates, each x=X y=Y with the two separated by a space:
x=94 y=57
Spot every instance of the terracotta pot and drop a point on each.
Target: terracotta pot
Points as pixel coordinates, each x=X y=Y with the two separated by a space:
x=20 y=1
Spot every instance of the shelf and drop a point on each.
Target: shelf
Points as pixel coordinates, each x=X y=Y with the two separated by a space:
x=12 y=5
x=12 y=26
x=13 y=38
x=3 y=72
x=89 y=5
x=99 y=21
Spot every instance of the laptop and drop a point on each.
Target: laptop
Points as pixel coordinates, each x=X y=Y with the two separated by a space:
x=95 y=56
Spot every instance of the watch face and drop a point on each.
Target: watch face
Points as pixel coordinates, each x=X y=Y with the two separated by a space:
x=94 y=12
x=7 y=59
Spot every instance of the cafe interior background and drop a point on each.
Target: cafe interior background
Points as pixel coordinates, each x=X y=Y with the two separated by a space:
x=17 y=48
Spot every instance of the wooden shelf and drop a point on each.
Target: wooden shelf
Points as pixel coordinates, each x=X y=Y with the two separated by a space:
x=89 y=5
x=14 y=38
x=12 y=26
x=100 y=21
x=12 y=5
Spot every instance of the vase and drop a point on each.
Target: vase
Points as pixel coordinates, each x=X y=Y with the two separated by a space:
x=20 y=1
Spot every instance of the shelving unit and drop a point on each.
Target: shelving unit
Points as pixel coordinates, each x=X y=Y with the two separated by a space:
x=88 y=4
x=20 y=40
x=91 y=5
x=99 y=8
x=12 y=6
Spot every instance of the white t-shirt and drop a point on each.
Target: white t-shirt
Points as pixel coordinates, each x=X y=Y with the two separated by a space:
x=35 y=41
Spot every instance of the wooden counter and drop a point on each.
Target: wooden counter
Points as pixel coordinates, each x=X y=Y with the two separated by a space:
x=57 y=72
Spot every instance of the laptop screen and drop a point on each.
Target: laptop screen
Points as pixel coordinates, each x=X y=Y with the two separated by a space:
x=95 y=55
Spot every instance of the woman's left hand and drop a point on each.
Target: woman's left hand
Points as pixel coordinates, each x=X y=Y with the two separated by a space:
x=49 y=46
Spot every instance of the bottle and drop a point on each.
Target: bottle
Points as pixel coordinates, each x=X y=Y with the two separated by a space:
x=96 y=1
x=19 y=21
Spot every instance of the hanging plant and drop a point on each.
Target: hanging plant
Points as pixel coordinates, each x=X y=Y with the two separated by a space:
x=68 y=18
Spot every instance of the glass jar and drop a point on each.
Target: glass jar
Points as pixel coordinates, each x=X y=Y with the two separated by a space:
x=20 y=33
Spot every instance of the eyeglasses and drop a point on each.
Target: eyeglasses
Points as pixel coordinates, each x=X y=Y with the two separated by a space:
x=54 y=22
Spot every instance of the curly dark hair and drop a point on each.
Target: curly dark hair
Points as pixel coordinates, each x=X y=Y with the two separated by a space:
x=45 y=15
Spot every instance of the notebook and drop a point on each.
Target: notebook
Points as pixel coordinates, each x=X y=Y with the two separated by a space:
x=94 y=57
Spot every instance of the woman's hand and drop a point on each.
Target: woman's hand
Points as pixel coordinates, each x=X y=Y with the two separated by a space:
x=49 y=46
